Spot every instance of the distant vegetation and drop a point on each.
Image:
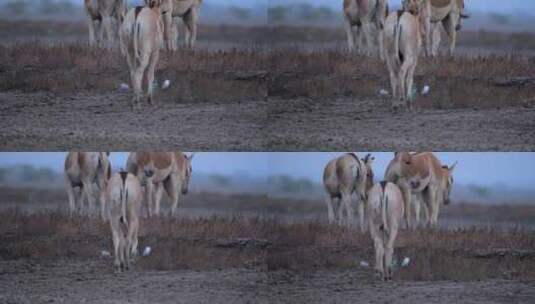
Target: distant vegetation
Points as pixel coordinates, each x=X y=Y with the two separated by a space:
x=26 y=174
x=301 y=12
x=482 y=192
x=278 y=186
x=72 y=10
x=220 y=180
x=500 y=19
x=19 y=9
x=239 y=12
x=288 y=184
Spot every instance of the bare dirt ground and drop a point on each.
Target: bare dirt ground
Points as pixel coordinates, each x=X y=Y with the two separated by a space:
x=36 y=122
x=302 y=124
x=41 y=121
x=227 y=253
x=81 y=280
x=257 y=89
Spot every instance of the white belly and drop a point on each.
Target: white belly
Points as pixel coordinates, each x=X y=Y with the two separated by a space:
x=181 y=7
x=362 y=14
x=440 y=13
x=92 y=8
x=161 y=174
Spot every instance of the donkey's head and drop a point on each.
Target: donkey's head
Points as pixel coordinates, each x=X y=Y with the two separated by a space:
x=447 y=182
x=153 y=3
x=186 y=172
x=368 y=161
x=412 y=6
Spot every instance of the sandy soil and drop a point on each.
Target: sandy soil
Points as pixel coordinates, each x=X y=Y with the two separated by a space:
x=347 y=124
x=46 y=122
x=43 y=121
x=91 y=281
x=352 y=287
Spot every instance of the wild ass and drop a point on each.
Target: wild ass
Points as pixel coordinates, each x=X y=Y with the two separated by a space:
x=171 y=172
x=188 y=10
x=100 y=15
x=385 y=210
x=124 y=197
x=141 y=37
x=342 y=177
x=82 y=169
x=448 y=13
x=365 y=15
x=423 y=175
x=403 y=42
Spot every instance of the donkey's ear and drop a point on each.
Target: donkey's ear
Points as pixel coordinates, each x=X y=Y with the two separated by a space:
x=190 y=157
x=452 y=167
x=368 y=159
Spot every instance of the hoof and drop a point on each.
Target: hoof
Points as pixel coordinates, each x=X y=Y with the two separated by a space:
x=134 y=103
x=379 y=275
x=409 y=106
x=117 y=269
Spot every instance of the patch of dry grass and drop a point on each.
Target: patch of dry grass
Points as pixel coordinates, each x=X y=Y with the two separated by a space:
x=435 y=255
x=460 y=82
x=269 y=245
x=18 y=28
x=240 y=75
x=70 y=68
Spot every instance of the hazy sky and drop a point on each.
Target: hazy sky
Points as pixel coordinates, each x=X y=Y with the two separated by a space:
x=502 y=6
x=487 y=169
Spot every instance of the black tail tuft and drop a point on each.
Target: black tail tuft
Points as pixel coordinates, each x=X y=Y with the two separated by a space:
x=124 y=175
x=383 y=185
x=401 y=57
x=138 y=10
